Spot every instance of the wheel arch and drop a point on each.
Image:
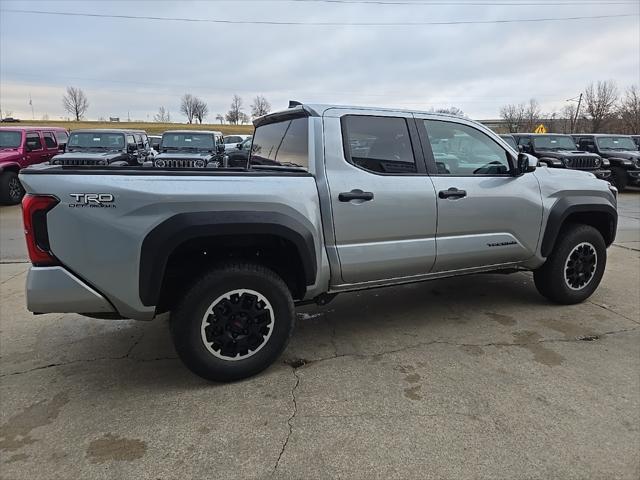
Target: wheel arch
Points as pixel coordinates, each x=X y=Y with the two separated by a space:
x=252 y=228
x=594 y=211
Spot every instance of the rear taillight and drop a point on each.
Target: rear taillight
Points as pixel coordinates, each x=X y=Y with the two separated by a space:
x=34 y=217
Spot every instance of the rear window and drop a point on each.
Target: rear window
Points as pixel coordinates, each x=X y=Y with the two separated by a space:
x=378 y=144
x=281 y=144
x=10 y=139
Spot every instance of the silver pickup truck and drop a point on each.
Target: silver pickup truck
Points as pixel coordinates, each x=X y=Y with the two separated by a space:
x=336 y=199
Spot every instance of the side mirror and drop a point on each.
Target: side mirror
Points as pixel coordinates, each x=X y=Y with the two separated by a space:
x=239 y=146
x=28 y=147
x=62 y=147
x=220 y=148
x=521 y=148
x=132 y=149
x=526 y=163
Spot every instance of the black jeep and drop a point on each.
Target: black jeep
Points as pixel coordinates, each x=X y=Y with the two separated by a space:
x=113 y=147
x=560 y=151
x=621 y=152
x=190 y=149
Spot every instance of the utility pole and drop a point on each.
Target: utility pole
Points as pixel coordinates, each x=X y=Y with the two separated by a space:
x=33 y=117
x=575 y=120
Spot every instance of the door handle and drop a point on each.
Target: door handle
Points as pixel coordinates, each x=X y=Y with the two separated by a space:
x=452 y=192
x=355 y=194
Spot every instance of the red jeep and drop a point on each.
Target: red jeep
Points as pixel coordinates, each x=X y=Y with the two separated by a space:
x=21 y=147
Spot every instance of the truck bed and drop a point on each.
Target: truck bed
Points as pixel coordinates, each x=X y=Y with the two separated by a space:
x=98 y=228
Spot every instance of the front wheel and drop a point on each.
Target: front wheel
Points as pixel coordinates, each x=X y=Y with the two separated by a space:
x=11 y=191
x=575 y=267
x=234 y=322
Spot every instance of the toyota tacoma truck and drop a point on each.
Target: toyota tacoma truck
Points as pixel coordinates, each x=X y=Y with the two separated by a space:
x=620 y=151
x=341 y=199
x=190 y=149
x=560 y=151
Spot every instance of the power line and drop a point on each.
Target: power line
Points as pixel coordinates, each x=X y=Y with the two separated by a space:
x=462 y=2
x=316 y=24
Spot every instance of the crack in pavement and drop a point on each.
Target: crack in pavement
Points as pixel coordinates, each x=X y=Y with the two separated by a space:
x=459 y=344
x=609 y=309
x=289 y=420
x=324 y=359
x=81 y=360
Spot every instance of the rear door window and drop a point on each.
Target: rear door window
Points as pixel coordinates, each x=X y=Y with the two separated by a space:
x=33 y=141
x=49 y=140
x=378 y=144
x=282 y=144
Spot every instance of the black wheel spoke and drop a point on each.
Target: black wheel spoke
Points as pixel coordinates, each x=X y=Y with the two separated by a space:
x=237 y=325
x=580 y=266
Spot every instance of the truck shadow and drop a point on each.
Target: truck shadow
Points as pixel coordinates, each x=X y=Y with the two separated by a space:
x=366 y=322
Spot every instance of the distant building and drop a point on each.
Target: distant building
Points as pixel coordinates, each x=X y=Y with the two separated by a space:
x=114 y=119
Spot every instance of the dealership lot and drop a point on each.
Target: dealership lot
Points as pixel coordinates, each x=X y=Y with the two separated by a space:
x=462 y=378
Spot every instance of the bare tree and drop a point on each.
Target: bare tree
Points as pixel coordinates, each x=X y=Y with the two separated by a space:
x=260 y=106
x=243 y=118
x=629 y=110
x=162 y=116
x=188 y=106
x=600 y=100
x=532 y=115
x=75 y=102
x=233 y=115
x=201 y=110
x=513 y=115
x=451 y=111
x=220 y=118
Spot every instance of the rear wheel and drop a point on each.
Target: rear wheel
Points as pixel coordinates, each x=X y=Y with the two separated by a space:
x=619 y=178
x=575 y=267
x=234 y=322
x=11 y=191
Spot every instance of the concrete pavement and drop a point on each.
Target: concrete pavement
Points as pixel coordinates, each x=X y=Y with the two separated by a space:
x=474 y=377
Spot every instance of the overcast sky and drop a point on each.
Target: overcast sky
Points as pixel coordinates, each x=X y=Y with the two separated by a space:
x=133 y=65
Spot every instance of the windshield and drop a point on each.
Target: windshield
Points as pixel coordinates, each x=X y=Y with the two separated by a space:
x=616 y=143
x=190 y=141
x=95 y=140
x=10 y=139
x=554 y=142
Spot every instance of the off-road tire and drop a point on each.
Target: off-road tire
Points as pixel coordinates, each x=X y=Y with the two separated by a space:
x=619 y=178
x=11 y=190
x=554 y=278
x=189 y=326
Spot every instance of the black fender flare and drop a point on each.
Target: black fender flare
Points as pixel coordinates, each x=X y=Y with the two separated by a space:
x=164 y=238
x=567 y=206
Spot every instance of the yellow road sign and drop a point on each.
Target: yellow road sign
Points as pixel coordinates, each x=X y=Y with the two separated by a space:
x=540 y=129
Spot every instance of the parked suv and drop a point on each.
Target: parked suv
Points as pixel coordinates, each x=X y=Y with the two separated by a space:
x=560 y=151
x=21 y=147
x=230 y=141
x=190 y=149
x=337 y=199
x=104 y=147
x=620 y=151
x=239 y=156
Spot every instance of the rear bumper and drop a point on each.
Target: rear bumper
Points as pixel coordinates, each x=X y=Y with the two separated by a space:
x=55 y=290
